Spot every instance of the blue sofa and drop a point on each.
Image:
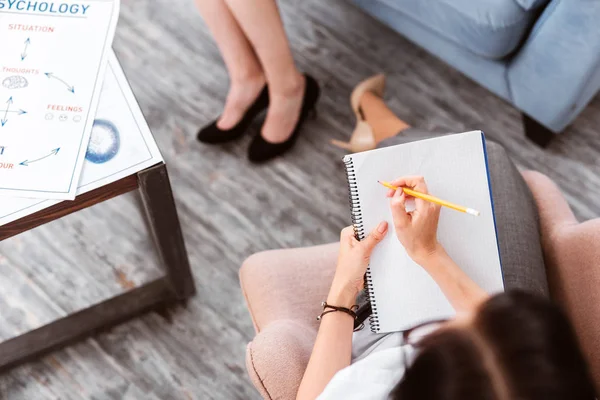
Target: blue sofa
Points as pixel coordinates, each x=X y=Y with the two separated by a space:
x=543 y=56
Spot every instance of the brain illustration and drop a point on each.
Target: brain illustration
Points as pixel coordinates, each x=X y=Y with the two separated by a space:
x=15 y=82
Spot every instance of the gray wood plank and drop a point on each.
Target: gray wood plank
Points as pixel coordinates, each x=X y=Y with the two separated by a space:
x=229 y=208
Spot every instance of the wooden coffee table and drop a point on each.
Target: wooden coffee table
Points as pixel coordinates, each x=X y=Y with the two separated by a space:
x=136 y=165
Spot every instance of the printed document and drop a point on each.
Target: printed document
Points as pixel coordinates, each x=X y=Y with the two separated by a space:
x=121 y=144
x=53 y=58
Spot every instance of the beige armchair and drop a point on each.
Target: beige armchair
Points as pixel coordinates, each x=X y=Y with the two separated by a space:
x=283 y=289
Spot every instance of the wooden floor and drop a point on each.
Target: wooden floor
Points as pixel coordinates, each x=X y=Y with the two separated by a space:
x=230 y=209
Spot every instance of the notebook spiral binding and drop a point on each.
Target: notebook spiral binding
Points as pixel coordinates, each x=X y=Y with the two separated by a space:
x=359 y=233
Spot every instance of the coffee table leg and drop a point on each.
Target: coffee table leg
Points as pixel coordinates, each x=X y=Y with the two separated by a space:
x=84 y=323
x=177 y=284
x=157 y=197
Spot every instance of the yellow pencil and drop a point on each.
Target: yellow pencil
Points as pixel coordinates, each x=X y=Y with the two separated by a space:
x=432 y=199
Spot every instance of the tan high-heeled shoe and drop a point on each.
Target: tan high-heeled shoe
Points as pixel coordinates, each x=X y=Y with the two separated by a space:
x=362 y=138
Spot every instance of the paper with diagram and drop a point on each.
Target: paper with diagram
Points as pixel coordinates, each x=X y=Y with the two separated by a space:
x=53 y=57
x=121 y=144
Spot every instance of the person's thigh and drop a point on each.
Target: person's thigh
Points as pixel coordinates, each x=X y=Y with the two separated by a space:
x=516 y=218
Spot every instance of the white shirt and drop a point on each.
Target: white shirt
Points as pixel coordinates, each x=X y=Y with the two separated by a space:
x=377 y=366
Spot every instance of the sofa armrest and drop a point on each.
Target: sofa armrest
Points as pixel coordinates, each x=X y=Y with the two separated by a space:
x=288 y=283
x=283 y=290
x=573 y=263
x=553 y=208
x=572 y=256
x=559 y=61
x=277 y=358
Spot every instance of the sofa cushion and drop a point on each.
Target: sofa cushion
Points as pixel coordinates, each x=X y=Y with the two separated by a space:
x=488 y=28
x=532 y=4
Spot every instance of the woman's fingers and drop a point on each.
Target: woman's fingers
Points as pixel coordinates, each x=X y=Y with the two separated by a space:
x=375 y=237
x=406 y=181
x=347 y=234
x=416 y=183
x=436 y=210
x=398 y=207
x=398 y=182
x=413 y=182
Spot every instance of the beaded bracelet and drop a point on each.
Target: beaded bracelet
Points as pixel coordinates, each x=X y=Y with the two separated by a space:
x=350 y=311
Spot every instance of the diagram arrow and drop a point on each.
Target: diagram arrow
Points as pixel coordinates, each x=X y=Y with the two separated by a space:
x=8 y=104
x=52 y=153
x=20 y=112
x=24 y=53
x=69 y=87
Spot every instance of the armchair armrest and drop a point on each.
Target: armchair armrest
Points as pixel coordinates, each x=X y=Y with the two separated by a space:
x=572 y=255
x=283 y=290
x=560 y=60
x=553 y=208
x=288 y=284
x=277 y=358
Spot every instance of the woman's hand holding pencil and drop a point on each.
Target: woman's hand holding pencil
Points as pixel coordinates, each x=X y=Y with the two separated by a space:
x=425 y=196
x=416 y=230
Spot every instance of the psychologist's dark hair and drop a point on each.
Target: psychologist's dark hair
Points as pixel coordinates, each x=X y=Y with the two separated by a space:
x=522 y=347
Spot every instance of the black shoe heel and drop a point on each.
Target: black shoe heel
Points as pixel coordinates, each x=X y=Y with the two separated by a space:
x=260 y=150
x=211 y=134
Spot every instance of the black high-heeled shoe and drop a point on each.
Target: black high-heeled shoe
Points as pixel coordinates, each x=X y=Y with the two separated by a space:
x=211 y=134
x=260 y=150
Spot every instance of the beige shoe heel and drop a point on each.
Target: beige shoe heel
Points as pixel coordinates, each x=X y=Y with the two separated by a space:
x=362 y=138
x=374 y=84
x=342 y=145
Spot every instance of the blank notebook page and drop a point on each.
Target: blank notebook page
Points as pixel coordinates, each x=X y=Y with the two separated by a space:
x=455 y=169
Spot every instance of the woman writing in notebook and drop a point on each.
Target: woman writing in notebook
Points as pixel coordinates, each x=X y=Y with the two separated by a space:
x=513 y=345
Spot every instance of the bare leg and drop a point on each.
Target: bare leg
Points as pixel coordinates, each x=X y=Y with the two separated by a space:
x=382 y=120
x=261 y=22
x=245 y=72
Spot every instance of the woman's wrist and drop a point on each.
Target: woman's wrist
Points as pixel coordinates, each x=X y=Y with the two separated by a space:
x=342 y=294
x=431 y=258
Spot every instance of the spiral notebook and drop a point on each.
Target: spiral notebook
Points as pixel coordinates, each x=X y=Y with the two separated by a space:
x=401 y=293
